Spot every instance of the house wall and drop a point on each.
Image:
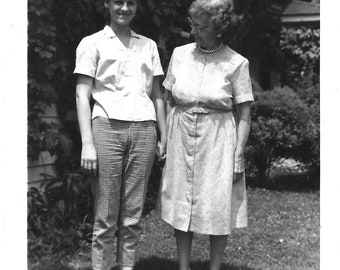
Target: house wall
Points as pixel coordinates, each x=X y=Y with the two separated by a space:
x=44 y=168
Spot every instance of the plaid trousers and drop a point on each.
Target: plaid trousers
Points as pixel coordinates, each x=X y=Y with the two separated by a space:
x=125 y=153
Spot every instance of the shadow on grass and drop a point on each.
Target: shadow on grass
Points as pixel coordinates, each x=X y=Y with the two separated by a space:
x=156 y=263
x=299 y=182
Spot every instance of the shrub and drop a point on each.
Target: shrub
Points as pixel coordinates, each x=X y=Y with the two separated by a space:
x=300 y=52
x=283 y=126
x=310 y=94
x=59 y=216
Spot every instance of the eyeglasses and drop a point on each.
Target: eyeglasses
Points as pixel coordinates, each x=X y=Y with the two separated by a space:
x=198 y=28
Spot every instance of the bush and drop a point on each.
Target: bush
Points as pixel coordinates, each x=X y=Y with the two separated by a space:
x=300 y=52
x=311 y=96
x=283 y=126
x=59 y=217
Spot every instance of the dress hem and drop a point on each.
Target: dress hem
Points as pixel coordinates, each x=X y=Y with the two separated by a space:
x=202 y=232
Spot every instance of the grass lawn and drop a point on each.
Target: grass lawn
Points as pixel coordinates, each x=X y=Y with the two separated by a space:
x=283 y=233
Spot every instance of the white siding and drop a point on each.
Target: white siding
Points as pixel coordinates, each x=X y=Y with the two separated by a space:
x=44 y=168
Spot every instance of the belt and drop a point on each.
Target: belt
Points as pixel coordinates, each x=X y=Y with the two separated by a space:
x=199 y=109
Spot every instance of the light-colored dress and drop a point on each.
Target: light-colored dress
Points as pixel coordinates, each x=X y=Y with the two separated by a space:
x=197 y=191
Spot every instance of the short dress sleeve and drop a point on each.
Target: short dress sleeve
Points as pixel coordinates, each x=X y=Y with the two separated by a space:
x=86 y=58
x=241 y=83
x=170 y=80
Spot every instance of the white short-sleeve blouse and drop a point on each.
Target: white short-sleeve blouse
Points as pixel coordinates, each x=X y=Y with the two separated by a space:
x=122 y=76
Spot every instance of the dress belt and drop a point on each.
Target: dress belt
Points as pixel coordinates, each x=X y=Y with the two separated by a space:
x=199 y=109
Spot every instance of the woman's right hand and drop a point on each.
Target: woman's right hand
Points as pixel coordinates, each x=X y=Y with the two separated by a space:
x=89 y=158
x=88 y=153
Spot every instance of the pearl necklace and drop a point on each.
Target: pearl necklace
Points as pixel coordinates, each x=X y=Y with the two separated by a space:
x=210 y=51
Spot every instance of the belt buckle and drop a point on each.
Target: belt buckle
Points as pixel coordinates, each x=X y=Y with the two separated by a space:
x=196 y=110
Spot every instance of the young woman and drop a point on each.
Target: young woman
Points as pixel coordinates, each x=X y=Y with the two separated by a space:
x=203 y=185
x=120 y=70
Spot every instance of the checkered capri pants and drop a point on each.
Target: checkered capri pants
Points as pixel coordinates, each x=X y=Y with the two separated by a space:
x=125 y=156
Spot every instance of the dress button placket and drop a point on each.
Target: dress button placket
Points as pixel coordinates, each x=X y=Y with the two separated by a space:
x=200 y=75
x=192 y=133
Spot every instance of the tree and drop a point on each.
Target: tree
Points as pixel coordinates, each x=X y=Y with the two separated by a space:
x=300 y=55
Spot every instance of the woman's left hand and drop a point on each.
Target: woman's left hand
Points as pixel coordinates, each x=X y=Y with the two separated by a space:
x=161 y=150
x=239 y=167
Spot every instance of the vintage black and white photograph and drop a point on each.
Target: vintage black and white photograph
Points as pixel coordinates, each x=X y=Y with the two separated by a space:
x=171 y=135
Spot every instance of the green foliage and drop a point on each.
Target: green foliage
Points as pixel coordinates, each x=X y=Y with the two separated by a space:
x=52 y=40
x=300 y=54
x=283 y=126
x=59 y=216
x=67 y=200
x=41 y=59
x=311 y=97
x=300 y=48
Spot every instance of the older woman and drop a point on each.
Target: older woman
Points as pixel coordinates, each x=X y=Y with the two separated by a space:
x=209 y=93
